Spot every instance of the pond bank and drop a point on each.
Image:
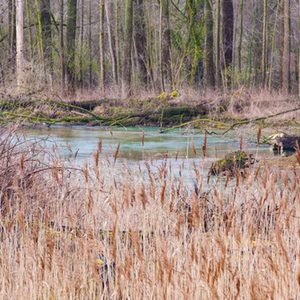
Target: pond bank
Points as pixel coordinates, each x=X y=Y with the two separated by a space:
x=140 y=144
x=157 y=112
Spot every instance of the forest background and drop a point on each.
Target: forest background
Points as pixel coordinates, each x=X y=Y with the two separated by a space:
x=130 y=47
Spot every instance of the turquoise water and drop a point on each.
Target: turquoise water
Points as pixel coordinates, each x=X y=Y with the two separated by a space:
x=179 y=152
x=138 y=144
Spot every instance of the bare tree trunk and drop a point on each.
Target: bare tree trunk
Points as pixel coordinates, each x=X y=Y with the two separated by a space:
x=101 y=45
x=150 y=49
x=241 y=36
x=61 y=42
x=126 y=84
x=141 y=40
x=90 y=46
x=264 y=43
x=166 y=71
x=194 y=44
x=273 y=47
x=218 y=41
x=10 y=22
x=39 y=36
x=81 y=44
x=71 y=35
x=286 y=47
x=209 y=46
x=111 y=44
x=228 y=26
x=12 y=27
x=117 y=39
x=29 y=21
x=20 y=43
x=299 y=48
x=46 y=23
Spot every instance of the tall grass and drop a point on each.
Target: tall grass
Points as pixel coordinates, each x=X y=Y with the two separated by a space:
x=86 y=233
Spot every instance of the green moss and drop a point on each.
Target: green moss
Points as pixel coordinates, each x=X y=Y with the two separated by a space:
x=231 y=162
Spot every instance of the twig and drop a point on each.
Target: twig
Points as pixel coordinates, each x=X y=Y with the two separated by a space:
x=248 y=121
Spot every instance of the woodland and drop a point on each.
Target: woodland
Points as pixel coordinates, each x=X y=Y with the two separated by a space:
x=150 y=45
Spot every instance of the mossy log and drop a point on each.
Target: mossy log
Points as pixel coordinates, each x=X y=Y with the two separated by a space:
x=129 y=113
x=232 y=163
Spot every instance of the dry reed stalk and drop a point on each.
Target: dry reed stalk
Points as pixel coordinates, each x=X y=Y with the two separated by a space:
x=193 y=147
x=117 y=153
x=204 y=146
x=259 y=133
x=157 y=237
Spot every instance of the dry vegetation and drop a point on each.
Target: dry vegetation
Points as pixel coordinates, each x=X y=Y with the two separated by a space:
x=188 y=108
x=90 y=233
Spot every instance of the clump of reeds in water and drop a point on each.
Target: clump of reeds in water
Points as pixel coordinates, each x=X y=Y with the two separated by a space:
x=85 y=233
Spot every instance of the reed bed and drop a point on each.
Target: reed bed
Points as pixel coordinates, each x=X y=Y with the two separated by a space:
x=94 y=233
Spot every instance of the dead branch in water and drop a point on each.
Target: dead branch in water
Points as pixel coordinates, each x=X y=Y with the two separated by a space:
x=239 y=123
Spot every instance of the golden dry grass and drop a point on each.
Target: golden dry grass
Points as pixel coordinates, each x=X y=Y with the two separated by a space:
x=89 y=233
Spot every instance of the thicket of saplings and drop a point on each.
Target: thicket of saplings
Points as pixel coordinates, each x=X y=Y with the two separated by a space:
x=80 y=232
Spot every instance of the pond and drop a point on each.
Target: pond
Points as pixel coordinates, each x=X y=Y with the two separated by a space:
x=138 y=145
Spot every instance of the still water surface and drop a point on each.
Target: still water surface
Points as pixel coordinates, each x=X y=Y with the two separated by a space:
x=138 y=145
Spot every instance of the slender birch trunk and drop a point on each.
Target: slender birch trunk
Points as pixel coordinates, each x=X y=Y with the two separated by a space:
x=111 y=44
